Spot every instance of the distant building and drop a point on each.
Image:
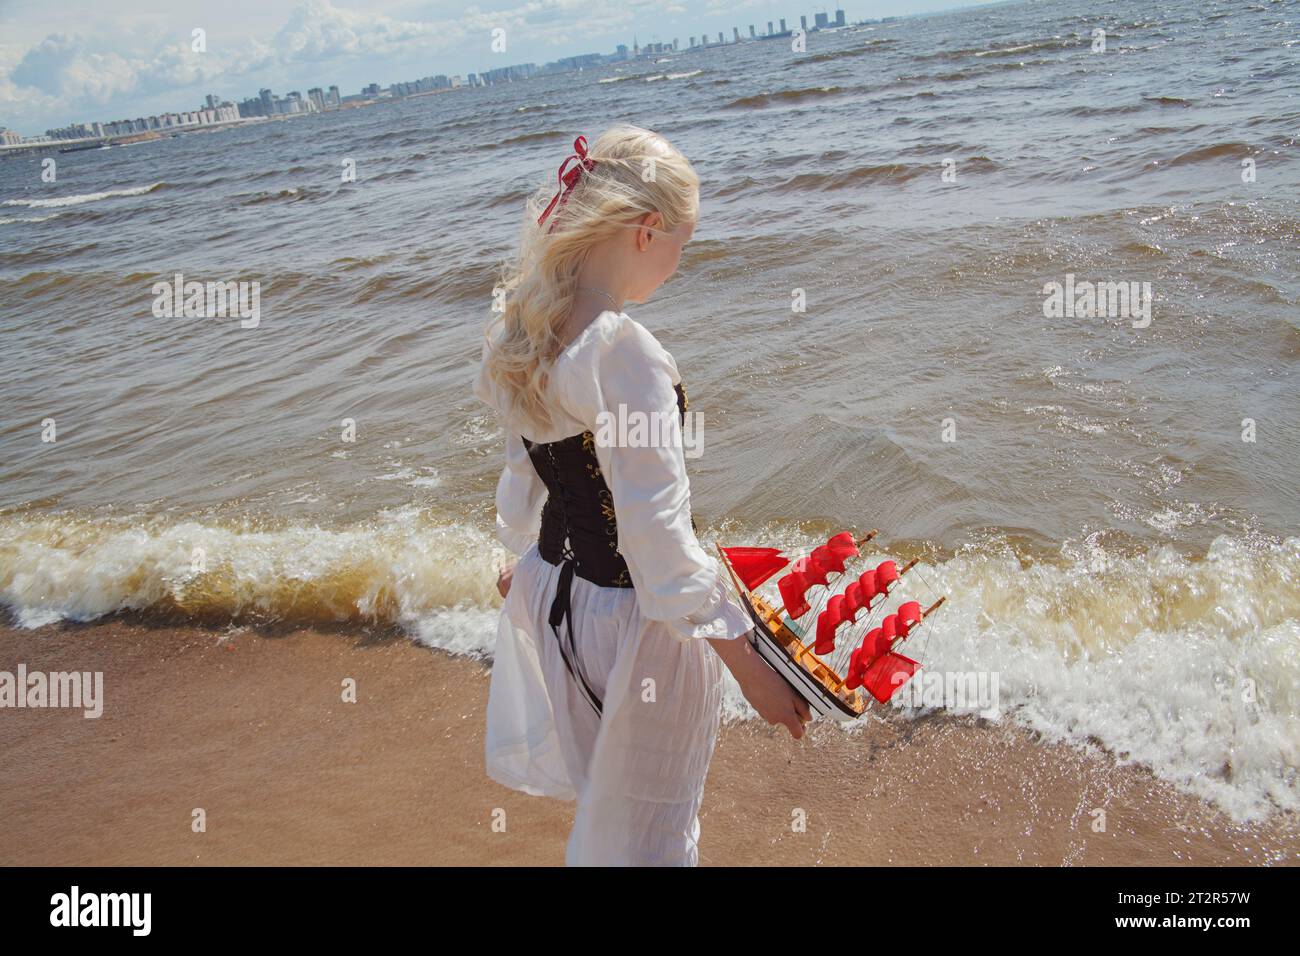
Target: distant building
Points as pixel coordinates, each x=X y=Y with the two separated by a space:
x=75 y=131
x=509 y=74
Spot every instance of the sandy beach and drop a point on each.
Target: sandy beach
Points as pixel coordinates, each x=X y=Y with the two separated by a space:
x=250 y=726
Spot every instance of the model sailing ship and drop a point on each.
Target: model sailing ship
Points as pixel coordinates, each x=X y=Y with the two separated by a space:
x=866 y=656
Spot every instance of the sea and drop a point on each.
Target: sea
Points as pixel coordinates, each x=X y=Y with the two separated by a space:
x=865 y=319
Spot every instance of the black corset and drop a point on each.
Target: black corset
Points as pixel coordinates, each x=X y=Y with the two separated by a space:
x=579 y=505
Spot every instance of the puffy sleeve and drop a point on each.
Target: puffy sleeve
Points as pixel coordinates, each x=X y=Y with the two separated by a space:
x=520 y=491
x=630 y=375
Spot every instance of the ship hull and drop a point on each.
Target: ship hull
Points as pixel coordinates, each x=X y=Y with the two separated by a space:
x=821 y=702
x=811 y=678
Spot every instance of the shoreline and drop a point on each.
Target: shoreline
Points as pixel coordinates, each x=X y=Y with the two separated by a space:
x=249 y=725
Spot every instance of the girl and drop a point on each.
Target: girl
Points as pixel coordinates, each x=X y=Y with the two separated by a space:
x=606 y=683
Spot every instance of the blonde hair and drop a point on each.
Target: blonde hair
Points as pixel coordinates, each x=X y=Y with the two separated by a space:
x=637 y=172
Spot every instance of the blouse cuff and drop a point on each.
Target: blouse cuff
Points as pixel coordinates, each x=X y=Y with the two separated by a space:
x=719 y=618
x=516 y=541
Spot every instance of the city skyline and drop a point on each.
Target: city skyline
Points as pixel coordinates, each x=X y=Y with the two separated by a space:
x=268 y=105
x=51 y=80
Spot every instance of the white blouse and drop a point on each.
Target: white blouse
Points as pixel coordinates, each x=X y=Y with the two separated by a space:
x=615 y=361
x=638 y=769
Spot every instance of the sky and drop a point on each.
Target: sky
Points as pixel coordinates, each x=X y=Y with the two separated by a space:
x=66 y=61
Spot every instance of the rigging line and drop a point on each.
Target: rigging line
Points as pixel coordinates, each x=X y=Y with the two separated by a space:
x=845 y=652
x=866 y=625
x=830 y=585
x=933 y=594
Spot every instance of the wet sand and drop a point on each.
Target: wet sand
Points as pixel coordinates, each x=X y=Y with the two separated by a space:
x=250 y=726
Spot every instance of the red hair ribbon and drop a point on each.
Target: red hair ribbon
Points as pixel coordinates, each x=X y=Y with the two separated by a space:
x=569 y=179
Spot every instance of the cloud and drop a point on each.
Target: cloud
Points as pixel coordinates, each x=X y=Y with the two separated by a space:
x=80 y=72
x=114 y=65
x=318 y=31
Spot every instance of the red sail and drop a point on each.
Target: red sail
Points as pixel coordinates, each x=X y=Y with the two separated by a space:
x=909 y=615
x=843 y=544
x=886 y=574
x=755 y=565
x=828 y=622
x=809 y=572
x=853 y=602
x=875 y=644
x=869 y=587
x=886 y=674
x=826 y=560
x=793 y=587
x=857 y=668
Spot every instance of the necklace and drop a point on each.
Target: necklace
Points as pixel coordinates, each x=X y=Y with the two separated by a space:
x=612 y=301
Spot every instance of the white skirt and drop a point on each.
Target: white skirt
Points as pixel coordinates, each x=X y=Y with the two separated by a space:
x=637 y=772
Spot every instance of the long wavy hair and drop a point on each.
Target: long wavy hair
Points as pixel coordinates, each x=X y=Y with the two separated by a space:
x=637 y=172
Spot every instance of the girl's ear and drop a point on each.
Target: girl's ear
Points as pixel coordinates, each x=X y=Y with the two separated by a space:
x=650 y=222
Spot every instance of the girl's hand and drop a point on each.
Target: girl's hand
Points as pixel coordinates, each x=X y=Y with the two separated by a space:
x=775 y=700
x=504 y=578
x=765 y=689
